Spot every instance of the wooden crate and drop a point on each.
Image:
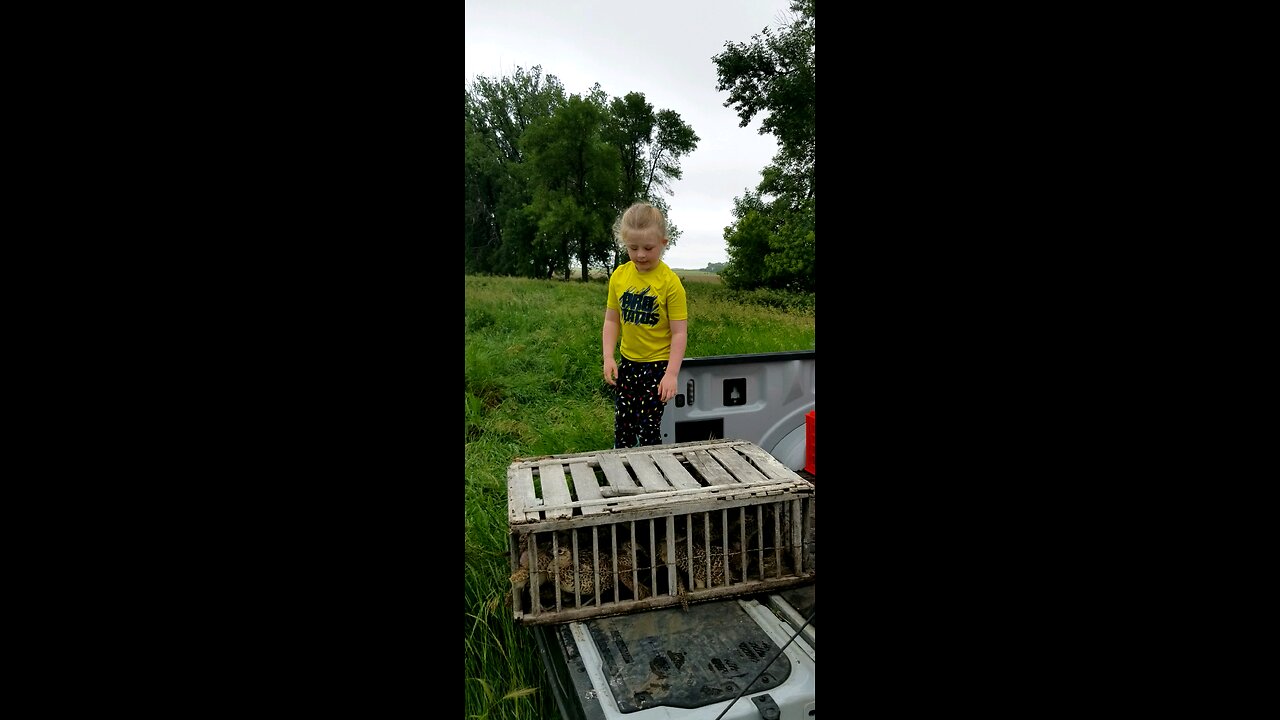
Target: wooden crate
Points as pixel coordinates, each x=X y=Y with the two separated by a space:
x=622 y=530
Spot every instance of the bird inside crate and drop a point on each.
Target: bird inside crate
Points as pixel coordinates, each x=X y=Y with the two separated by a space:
x=554 y=572
x=709 y=555
x=628 y=561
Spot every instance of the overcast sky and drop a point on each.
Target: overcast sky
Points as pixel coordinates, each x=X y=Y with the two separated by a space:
x=662 y=48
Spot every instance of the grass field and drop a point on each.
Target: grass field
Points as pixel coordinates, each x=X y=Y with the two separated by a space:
x=533 y=386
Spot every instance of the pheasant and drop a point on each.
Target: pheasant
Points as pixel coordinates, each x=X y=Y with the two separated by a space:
x=699 y=567
x=520 y=578
x=641 y=591
x=586 y=572
x=769 y=569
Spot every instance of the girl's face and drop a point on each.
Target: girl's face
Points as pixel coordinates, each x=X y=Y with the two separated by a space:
x=645 y=250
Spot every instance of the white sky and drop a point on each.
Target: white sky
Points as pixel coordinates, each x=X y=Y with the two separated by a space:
x=662 y=48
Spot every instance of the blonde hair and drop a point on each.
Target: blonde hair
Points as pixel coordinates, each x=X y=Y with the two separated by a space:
x=640 y=217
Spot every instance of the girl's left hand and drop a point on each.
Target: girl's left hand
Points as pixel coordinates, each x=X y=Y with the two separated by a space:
x=667 y=388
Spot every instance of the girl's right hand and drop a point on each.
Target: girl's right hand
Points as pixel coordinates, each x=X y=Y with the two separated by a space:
x=610 y=371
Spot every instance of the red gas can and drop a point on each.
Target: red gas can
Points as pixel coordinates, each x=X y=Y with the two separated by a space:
x=809 y=423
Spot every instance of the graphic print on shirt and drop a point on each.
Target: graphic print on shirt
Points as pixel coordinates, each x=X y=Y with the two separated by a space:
x=638 y=307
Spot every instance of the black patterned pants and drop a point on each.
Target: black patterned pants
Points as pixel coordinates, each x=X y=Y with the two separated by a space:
x=637 y=413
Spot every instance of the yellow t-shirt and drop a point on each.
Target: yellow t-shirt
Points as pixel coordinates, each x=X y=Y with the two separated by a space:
x=646 y=305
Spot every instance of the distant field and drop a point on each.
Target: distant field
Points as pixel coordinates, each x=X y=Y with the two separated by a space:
x=685 y=275
x=697 y=276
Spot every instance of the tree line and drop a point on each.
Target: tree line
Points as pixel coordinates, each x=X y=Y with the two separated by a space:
x=546 y=172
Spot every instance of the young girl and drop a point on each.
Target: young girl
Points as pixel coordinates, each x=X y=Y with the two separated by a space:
x=646 y=306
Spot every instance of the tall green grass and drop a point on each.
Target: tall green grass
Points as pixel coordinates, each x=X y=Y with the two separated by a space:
x=534 y=386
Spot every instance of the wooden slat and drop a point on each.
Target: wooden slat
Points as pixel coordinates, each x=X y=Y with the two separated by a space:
x=675 y=472
x=709 y=468
x=769 y=464
x=555 y=491
x=616 y=475
x=686 y=500
x=647 y=472
x=741 y=469
x=520 y=497
x=587 y=487
x=680 y=448
x=797 y=537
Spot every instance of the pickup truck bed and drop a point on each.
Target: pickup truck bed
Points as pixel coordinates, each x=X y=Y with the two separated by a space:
x=673 y=663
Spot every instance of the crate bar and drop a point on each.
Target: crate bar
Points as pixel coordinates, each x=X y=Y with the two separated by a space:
x=529 y=541
x=555 y=578
x=535 y=573
x=688 y=552
x=707 y=548
x=595 y=560
x=742 y=540
x=797 y=536
x=811 y=522
x=553 y=572
x=577 y=568
x=670 y=558
x=587 y=487
x=653 y=563
x=777 y=538
x=613 y=558
x=631 y=556
x=724 y=549
x=760 y=540
x=555 y=492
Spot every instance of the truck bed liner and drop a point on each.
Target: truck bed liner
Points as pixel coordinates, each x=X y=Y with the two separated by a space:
x=675 y=658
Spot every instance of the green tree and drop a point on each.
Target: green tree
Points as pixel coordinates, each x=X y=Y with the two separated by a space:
x=498 y=232
x=576 y=182
x=775 y=76
x=748 y=244
x=545 y=175
x=650 y=145
x=771 y=245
